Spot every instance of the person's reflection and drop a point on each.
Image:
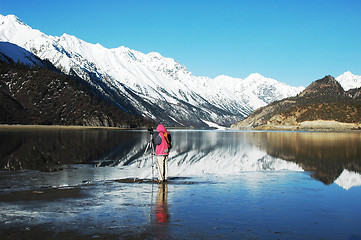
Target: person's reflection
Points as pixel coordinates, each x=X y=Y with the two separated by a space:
x=161 y=211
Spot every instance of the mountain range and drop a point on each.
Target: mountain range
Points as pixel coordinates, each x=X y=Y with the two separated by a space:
x=150 y=85
x=34 y=92
x=323 y=105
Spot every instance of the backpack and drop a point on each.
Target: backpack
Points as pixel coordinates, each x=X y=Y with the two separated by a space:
x=168 y=139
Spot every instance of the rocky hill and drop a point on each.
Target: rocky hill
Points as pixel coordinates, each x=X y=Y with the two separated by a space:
x=323 y=105
x=326 y=86
x=33 y=95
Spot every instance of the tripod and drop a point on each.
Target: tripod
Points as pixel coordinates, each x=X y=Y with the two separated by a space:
x=150 y=146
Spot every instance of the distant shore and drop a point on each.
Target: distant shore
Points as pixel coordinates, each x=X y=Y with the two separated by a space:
x=72 y=127
x=57 y=127
x=312 y=126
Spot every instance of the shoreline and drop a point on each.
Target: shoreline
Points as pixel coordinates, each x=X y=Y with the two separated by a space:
x=57 y=127
x=71 y=127
x=309 y=126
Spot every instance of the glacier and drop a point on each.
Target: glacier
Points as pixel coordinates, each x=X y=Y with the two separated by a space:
x=150 y=85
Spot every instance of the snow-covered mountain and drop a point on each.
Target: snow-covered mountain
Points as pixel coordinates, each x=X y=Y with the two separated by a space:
x=18 y=54
x=156 y=86
x=349 y=80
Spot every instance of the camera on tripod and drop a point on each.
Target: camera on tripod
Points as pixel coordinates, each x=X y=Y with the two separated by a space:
x=150 y=130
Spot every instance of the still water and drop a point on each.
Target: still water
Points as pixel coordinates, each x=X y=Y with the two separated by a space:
x=223 y=185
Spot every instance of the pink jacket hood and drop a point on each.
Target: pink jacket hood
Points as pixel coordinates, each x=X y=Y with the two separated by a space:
x=161 y=128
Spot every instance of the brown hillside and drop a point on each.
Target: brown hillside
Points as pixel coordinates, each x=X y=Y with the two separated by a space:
x=326 y=86
x=41 y=96
x=323 y=100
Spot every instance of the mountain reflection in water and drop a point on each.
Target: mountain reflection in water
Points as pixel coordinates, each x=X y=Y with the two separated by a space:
x=326 y=155
x=48 y=150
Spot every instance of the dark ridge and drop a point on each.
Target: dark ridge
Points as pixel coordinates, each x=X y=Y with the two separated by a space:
x=43 y=96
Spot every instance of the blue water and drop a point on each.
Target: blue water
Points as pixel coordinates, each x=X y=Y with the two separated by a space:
x=277 y=205
x=267 y=199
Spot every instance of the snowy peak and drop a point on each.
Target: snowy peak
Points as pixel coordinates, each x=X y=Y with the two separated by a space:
x=255 y=76
x=156 y=85
x=349 y=80
x=16 y=31
x=12 y=19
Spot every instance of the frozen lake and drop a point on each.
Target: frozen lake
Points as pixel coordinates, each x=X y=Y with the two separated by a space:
x=223 y=185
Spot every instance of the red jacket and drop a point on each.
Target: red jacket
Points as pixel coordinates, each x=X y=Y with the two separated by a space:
x=162 y=147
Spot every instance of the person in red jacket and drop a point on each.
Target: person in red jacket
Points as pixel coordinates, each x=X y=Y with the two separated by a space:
x=163 y=145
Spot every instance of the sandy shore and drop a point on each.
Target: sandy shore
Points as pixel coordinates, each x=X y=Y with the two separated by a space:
x=320 y=125
x=329 y=125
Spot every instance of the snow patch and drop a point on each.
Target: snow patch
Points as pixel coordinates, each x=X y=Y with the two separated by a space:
x=213 y=125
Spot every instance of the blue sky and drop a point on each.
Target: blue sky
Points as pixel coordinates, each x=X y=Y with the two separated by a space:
x=293 y=41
